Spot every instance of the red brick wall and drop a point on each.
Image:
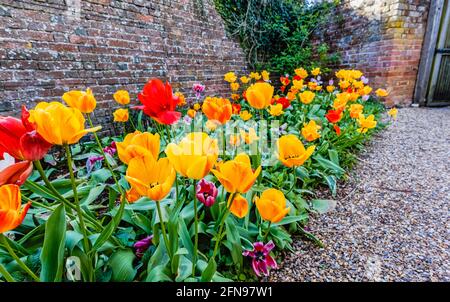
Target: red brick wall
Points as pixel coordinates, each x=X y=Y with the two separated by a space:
x=383 y=38
x=49 y=47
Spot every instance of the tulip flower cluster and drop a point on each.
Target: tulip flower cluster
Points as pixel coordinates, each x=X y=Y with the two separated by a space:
x=188 y=189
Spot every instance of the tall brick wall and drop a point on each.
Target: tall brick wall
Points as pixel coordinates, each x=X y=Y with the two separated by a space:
x=49 y=47
x=384 y=39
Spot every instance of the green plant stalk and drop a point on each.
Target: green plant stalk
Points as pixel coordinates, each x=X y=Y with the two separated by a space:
x=163 y=230
x=77 y=201
x=15 y=257
x=222 y=223
x=224 y=146
x=6 y=274
x=268 y=231
x=295 y=181
x=194 y=257
x=104 y=155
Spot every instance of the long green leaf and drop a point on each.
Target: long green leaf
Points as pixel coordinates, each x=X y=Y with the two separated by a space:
x=52 y=256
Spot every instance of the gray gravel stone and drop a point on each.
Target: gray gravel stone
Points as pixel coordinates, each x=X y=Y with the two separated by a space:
x=391 y=222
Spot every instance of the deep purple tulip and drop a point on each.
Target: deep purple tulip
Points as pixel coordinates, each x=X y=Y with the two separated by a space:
x=261 y=259
x=206 y=192
x=142 y=246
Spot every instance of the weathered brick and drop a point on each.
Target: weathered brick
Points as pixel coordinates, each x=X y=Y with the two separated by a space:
x=48 y=48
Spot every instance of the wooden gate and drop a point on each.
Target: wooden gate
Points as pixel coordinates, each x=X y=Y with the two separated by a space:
x=439 y=93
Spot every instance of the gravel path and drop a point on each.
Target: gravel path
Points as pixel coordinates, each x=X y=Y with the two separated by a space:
x=392 y=218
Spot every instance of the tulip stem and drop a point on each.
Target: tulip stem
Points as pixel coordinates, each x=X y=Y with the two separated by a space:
x=6 y=274
x=77 y=201
x=224 y=139
x=194 y=258
x=268 y=231
x=163 y=230
x=222 y=222
x=5 y=242
x=104 y=155
x=294 y=183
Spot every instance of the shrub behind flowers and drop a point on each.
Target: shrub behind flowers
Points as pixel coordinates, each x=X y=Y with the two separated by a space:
x=210 y=189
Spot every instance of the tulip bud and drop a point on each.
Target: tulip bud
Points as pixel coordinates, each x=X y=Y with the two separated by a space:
x=206 y=192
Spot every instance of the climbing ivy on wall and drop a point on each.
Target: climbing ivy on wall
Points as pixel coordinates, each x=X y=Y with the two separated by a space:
x=276 y=34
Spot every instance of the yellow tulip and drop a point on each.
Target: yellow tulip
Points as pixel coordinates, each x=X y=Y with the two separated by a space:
x=11 y=211
x=307 y=97
x=276 y=110
x=194 y=156
x=151 y=178
x=291 y=151
x=366 y=123
x=255 y=75
x=191 y=113
x=366 y=90
x=235 y=140
x=122 y=97
x=234 y=86
x=340 y=103
x=315 y=72
x=272 y=205
x=239 y=206
x=301 y=72
x=330 y=88
x=244 y=79
x=237 y=175
x=393 y=112
x=265 y=75
x=121 y=115
x=58 y=124
x=245 y=115
x=381 y=93
x=138 y=144
x=211 y=125
x=356 y=110
x=259 y=95
x=310 y=131
x=298 y=84
x=197 y=106
x=81 y=100
x=344 y=84
x=230 y=77
x=250 y=136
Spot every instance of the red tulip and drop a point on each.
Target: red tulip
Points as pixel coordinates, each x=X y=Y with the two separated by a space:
x=236 y=108
x=337 y=129
x=283 y=101
x=19 y=138
x=334 y=116
x=16 y=174
x=159 y=102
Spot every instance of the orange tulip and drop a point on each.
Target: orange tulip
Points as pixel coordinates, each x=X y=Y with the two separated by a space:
x=272 y=205
x=11 y=212
x=122 y=97
x=310 y=131
x=217 y=109
x=259 y=95
x=236 y=175
x=121 y=115
x=81 y=100
x=151 y=178
x=239 y=206
x=138 y=144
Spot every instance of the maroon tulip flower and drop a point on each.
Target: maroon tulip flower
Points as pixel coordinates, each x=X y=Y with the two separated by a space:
x=142 y=246
x=206 y=192
x=261 y=258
